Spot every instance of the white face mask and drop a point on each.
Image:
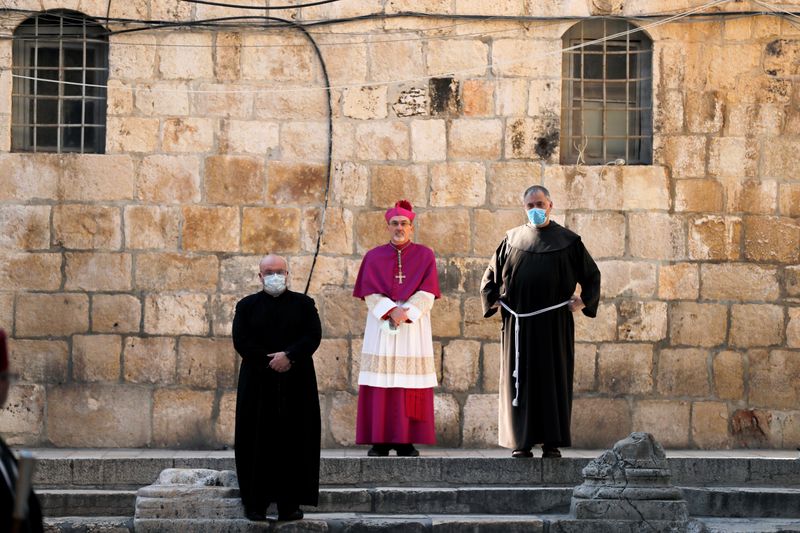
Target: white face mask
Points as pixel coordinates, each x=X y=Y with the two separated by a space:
x=274 y=284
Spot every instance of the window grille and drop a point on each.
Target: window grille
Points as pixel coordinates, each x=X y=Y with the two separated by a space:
x=606 y=100
x=60 y=67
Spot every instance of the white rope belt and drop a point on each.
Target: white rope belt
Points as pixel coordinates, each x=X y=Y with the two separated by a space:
x=517 y=316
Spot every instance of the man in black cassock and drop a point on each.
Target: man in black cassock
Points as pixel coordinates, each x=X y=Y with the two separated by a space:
x=534 y=272
x=9 y=471
x=276 y=331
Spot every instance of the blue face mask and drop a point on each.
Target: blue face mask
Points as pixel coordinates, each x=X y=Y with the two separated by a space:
x=537 y=216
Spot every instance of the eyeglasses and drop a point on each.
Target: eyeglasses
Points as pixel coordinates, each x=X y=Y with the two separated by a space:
x=397 y=223
x=9 y=377
x=271 y=272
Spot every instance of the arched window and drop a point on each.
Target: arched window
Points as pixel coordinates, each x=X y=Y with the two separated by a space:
x=60 y=67
x=606 y=99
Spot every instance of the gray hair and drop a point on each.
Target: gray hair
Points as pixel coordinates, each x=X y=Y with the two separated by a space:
x=534 y=189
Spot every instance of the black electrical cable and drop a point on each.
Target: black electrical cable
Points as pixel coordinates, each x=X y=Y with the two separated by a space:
x=241 y=6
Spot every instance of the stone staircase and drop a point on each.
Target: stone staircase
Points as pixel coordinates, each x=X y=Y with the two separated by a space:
x=442 y=490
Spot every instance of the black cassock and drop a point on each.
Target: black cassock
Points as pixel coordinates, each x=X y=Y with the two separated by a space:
x=33 y=522
x=277 y=437
x=534 y=268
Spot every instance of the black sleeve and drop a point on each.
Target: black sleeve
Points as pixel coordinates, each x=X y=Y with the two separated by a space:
x=492 y=282
x=243 y=341
x=589 y=277
x=304 y=347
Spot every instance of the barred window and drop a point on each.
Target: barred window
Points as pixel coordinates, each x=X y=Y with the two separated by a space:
x=60 y=67
x=606 y=100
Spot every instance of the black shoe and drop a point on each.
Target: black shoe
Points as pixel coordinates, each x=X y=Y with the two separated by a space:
x=522 y=453
x=255 y=516
x=379 y=450
x=406 y=450
x=548 y=452
x=297 y=514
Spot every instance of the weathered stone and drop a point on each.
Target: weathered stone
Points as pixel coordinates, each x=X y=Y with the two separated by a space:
x=452 y=222
x=774 y=378
x=602 y=233
x=162 y=98
x=511 y=97
x=97 y=271
x=772 y=239
x=281 y=58
x=250 y=136
x=753 y=196
x=792 y=280
x=630 y=483
x=175 y=314
x=508 y=182
x=185 y=55
x=149 y=360
x=115 y=313
x=227 y=53
x=371 y=230
x=134 y=56
x=458 y=184
x=491 y=227
x=447 y=417
x=305 y=141
x=756 y=325
x=234 y=180
x=212 y=229
x=29 y=176
x=120 y=98
x=176 y=271
x=580 y=187
x=519 y=57
x=270 y=230
x=222 y=311
x=738 y=282
x=642 y=321
x=710 y=425
x=188 y=135
x=341 y=314
x=475 y=139
x=96 y=357
x=625 y=368
x=475 y=325
x=601 y=328
x=30 y=271
x=97 y=178
x=127 y=135
x=729 y=375
x=793 y=328
x=382 y=141
x=698 y=324
x=446 y=317
x=585 y=367
x=25 y=227
x=789 y=199
x=206 y=363
x=645 y=187
x=751 y=427
x=217 y=100
x=683 y=372
x=532 y=138
x=714 y=237
x=667 y=420
x=152 y=227
x=685 y=155
x=295 y=183
x=390 y=183
x=23 y=413
x=396 y=59
x=365 y=103
x=680 y=281
x=98 y=415
x=490 y=367
x=699 y=195
x=480 y=421
x=478 y=98
x=39 y=361
x=182 y=418
x=592 y=431
x=656 y=236
x=342 y=418
x=332 y=364
x=461 y=365
x=51 y=315
x=626 y=278
x=225 y=427
x=428 y=140
x=169 y=179
x=79 y=226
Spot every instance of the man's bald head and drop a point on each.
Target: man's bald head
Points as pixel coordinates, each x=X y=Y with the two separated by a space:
x=271 y=264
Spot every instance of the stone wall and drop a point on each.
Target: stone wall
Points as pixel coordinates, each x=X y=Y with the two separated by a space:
x=119 y=272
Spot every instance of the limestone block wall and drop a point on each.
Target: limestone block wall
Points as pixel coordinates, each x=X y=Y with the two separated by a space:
x=119 y=272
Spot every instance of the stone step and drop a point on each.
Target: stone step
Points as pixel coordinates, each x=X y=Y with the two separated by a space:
x=119 y=471
x=749 y=502
x=92 y=524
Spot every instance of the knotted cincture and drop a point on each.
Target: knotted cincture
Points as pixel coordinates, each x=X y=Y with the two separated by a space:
x=517 y=316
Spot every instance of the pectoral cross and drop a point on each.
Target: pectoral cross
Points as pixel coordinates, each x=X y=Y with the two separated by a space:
x=400 y=277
